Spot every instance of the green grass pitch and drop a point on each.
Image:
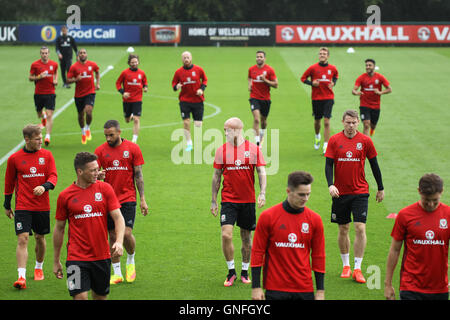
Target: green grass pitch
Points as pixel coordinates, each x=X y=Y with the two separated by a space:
x=178 y=253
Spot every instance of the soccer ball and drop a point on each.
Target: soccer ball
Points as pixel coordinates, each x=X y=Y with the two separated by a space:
x=130 y=50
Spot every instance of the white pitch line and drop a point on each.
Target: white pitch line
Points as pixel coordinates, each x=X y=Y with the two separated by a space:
x=56 y=114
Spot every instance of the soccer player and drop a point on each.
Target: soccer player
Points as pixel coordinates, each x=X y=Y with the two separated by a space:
x=261 y=77
x=131 y=83
x=121 y=161
x=64 y=46
x=191 y=80
x=237 y=160
x=346 y=155
x=322 y=77
x=82 y=73
x=86 y=204
x=31 y=173
x=289 y=243
x=44 y=74
x=371 y=84
x=423 y=228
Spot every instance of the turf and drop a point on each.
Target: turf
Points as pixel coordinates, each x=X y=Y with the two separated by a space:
x=178 y=254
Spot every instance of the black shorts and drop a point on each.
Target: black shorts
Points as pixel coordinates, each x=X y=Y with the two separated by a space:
x=343 y=207
x=413 y=295
x=128 y=210
x=243 y=214
x=322 y=108
x=262 y=105
x=46 y=101
x=134 y=108
x=82 y=102
x=283 y=295
x=28 y=221
x=83 y=276
x=369 y=114
x=196 y=108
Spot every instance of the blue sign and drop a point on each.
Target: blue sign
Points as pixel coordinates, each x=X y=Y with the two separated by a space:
x=86 y=34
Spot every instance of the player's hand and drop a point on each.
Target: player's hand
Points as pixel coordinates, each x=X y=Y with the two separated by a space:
x=78 y=77
x=60 y=56
x=258 y=294
x=9 y=213
x=389 y=292
x=199 y=92
x=97 y=87
x=117 y=249
x=378 y=92
x=126 y=95
x=320 y=295
x=101 y=175
x=261 y=200
x=380 y=196
x=144 y=207
x=179 y=85
x=334 y=192
x=145 y=89
x=38 y=191
x=331 y=85
x=214 y=208
x=58 y=269
x=315 y=83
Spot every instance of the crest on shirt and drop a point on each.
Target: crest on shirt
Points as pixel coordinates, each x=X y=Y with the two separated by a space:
x=429 y=235
x=443 y=224
x=126 y=154
x=87 y=208
x=292 y=237
x=98 y=196
x=305 y=227
x=41 y=161
x=359 y=146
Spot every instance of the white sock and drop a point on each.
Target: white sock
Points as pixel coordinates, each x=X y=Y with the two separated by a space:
x=345 y=259
x=130 y=258
x=47 y=136
x=135 y=137
x=39 y=265
x=358 y=262
x=230 y=264
x=87 y=127
x=318 y=136
x=22 y=272
x=189 y=142
x=257 y=138
x=83 y=132
x=261 y=133
x=245 y=266
x=44 y=115
x=116 y=268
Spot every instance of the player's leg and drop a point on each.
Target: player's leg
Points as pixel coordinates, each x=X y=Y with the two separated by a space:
x=100 y=276
x=136 y=116
x=341 y=214
x=39 y=105
x=375 y=116
x=264 y=111
x=40 y=249
x=185 y=112
x=197 y=116
x=318 y=115
x=228 y=216
x=117 y=276
x=88 y=112
x=360 y=206
x=365 y=115
x=255 y=109
x=49 y=109
x=22 y=223
x=327 y=111
x=128 y=210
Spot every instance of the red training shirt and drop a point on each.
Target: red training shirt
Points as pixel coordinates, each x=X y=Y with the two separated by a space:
x=119 y=163
x=86 y=85
x=325 y=74
x=288 y=246
x=238 y=164
x=368 y=84
x=132 y=81
x=261 y=90
x=87 y=210
x=192 y=79
x=44 y=85
x=425 y=255
x=24 y=172
x=349 y=157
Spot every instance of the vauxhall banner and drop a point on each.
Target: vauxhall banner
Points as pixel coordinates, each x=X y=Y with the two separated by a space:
x=231 y=34
x=383 y=34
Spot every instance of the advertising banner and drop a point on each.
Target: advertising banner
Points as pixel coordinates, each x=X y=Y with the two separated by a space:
x=100 y=34
x=232 y=34
x=165 y=33
x=383 y=34
x=8 y=33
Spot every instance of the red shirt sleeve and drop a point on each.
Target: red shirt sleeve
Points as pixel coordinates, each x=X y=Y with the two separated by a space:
x=203 y=77
x=370 y=149
x=71 y=72
x=10 y=176
x=306 y=74
x=176 y=79
x=318 y=246
x=358 y=81
x=119 y=81
x=144 y=79
x=399 y=229
x=61 y=208
x=138 y=159
x=260 y=240
x=384 y=81
x=260 y=158
x=52 y=173
x=330 y=148
x=219 y=158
